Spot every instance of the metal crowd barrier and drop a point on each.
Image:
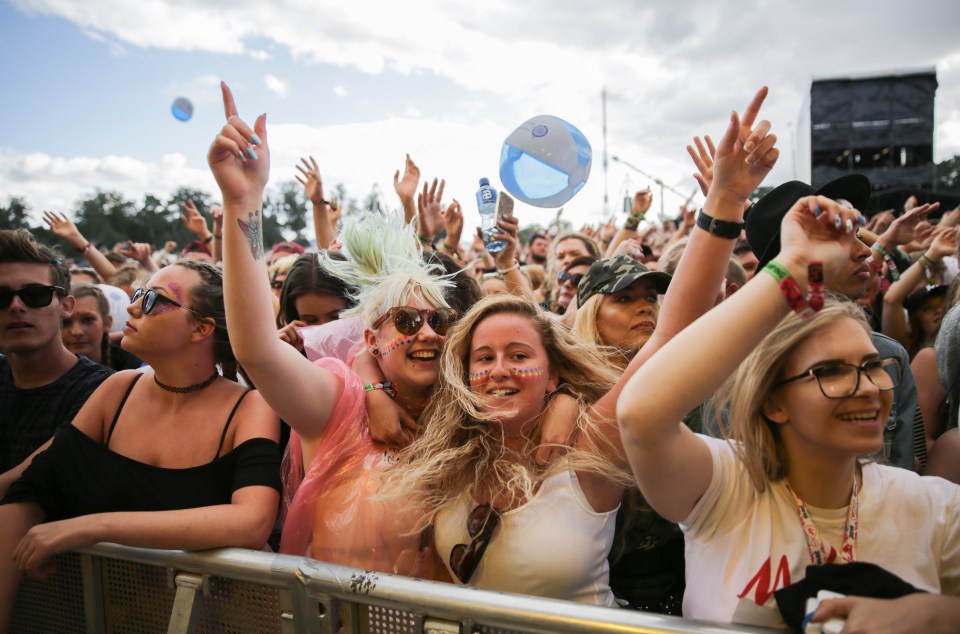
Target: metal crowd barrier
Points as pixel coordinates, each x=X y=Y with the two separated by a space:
x=111 y=588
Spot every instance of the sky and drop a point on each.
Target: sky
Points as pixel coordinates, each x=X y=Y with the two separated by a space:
x=88 y=86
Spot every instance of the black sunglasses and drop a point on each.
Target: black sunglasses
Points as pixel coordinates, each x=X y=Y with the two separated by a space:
x=408 y=320
x=481 y=523
x=32 y=296
x=151 y=297
x=574 y=279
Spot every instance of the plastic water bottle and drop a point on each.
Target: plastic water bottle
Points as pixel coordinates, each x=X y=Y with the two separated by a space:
x=487 y=205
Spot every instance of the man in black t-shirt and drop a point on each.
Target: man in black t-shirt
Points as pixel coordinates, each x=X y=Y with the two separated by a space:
x=42 y=384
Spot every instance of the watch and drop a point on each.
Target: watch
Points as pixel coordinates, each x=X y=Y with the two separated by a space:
x=719 y=228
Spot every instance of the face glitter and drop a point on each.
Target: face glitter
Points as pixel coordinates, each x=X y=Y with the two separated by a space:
x=396 y=343
x=177 y=292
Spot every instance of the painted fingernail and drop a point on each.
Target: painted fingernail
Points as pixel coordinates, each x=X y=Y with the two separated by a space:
x=817 y=211
x=863 y=221
x=837 y=222
x=253 y=155
x=255 y=139
x=849 y=225
x=241 y=155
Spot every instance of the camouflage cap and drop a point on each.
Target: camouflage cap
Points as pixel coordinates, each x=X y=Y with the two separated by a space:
x=612 y=275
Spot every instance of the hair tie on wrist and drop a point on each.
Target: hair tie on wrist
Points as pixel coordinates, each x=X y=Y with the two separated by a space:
x=516 y=265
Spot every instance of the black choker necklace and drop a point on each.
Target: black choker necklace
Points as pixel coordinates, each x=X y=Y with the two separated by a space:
x=189 y=388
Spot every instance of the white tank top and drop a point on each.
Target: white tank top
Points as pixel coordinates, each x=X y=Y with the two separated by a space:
x=553 y=546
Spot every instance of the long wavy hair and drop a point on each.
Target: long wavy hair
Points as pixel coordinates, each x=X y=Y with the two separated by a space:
x=758 y=442
x=460 y=447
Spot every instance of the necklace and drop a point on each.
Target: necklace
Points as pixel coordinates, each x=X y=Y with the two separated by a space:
x=185 y=390
x=815 y=544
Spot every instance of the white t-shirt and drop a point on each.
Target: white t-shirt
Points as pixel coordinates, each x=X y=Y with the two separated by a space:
x=553 y=546
x=741 y=546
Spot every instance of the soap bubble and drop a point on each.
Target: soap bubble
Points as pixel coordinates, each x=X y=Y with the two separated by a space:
x=182 y=109
x=545 y=161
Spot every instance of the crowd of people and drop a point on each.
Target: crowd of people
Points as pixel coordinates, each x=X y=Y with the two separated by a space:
x=714 y=417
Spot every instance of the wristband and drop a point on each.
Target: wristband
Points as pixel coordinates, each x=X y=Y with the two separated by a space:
x=815 y=285
x=386 y=386
x=877 y=268
x=85 y=248
x=218 y=237
x=633 y=221
x=790 y=289
x=423 y=239
x=720 y=228
x=888 y=258
x=208 y=239
x=516 y=265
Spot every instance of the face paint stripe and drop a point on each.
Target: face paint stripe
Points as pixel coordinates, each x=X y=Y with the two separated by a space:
x=396 y=343
x=476 y=378
x=526 y=375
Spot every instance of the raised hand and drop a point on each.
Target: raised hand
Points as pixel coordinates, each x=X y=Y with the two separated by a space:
x=240 y=156
x=904 y=229
x=454 y=224
x=216 y=212
x=193 y=220
x=63 y=228
x=406 y=187
x=817 y=228
x=141 y=252
x=746 y=154
x=703 y=159
x=642 y=201
x=508 y=227
x=944 y=243
x=429 y=213
x=311 y=181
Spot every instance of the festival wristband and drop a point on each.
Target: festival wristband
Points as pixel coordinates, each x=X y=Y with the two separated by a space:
x=85 y=248
x=386 y=386
x=790 y=289
x=888 y=258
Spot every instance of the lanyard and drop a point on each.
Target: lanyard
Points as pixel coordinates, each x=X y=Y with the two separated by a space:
x=815 y=544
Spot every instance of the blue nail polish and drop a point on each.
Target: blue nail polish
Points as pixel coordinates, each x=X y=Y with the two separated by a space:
x=253 y=155
x=255 y=139
x=836 y=219
x=817 y=211
x=863 y=221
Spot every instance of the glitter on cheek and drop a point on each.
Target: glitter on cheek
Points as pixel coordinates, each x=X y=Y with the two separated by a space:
x=526 y=375
x=396 y=343
x=476 y=378
x=161 y=308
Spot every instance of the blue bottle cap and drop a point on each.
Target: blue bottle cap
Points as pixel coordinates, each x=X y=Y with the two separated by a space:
x=484 y=181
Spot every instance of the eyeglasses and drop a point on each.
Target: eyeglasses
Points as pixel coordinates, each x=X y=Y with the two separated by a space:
x=574 y=279
x=842 y=380
x=481 y=523
x=151 y=297
x=408 y=321
x=32 y=296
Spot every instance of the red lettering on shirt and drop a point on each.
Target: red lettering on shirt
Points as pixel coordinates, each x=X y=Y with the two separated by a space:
x=762 y=581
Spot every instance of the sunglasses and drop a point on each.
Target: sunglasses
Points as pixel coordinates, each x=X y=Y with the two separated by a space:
x=574 y=279
x=481 y=523
x=32 y=296
x=408 y=321
x=151 y=297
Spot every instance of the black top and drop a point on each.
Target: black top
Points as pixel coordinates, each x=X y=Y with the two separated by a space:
x=29 y=418
x=79 y=476
x=120 y=359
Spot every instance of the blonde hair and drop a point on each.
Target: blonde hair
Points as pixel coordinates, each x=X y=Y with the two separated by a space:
x=758 y=443
x=386 y=267
x=460 y=447
x=585 y=327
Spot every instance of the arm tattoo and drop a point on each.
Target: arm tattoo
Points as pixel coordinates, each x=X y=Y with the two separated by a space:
x=253 y=231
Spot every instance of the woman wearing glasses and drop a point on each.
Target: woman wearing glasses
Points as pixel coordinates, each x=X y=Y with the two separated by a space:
x=332 y=466
x=808 y=396
x=177 y=457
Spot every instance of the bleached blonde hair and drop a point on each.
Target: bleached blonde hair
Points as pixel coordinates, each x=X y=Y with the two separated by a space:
x=385 y=266
x=758 y=442
x=460 y=447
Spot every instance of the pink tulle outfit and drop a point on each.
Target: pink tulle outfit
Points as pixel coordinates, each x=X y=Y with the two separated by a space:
x=329 y=514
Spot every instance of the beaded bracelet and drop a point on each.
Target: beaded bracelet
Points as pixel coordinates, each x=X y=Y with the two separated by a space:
x=386 y=386
x=790 y=289
x=888 y=258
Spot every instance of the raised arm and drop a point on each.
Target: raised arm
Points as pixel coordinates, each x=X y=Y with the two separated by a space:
x=406 y=188
x=301 y=393
x=63 y=227
x=309 y=177
x=671 y=464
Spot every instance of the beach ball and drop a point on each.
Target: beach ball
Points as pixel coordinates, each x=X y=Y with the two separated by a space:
x=182 y=109
x=545 y=161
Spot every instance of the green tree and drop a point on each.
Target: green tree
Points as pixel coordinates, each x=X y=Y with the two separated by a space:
x=289 y=207
x=947 y=175
x=15 y=215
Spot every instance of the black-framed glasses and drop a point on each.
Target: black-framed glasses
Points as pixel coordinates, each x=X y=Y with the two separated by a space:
x=408 y=320
x=842 y=380
x=481 y=524
x=574 y=279
x=151 y=297
x=37 y=296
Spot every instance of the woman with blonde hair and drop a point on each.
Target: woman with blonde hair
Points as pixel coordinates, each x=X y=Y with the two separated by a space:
x=809 y=395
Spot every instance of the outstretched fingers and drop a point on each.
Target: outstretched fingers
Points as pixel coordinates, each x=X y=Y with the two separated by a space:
x=753 y=108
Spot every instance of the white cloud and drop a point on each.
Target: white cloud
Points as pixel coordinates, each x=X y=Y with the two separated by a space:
x=276 y=85
x=340 y=91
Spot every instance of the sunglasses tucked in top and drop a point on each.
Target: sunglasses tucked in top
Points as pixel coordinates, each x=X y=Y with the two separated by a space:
x=481 y=523
x=842 y=380
x=37 y=296
x=408 y=320
x=151 y=297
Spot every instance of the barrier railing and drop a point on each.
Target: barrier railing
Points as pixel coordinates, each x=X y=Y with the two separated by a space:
x=111 y=588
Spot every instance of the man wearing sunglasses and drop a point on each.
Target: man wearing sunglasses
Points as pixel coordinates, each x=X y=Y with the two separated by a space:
x=42 y=384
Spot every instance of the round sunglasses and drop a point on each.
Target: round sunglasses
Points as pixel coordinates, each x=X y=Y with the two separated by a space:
x=32 y=296
x=408 y=320
x=151 y=297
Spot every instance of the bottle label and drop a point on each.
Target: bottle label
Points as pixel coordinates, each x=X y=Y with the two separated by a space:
x=487 y=195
